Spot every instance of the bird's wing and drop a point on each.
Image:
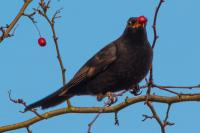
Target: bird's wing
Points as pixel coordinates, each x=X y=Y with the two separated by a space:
x=98 y=63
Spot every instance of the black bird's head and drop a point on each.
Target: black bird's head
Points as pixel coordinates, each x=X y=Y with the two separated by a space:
x=136 y=26
x=137 y=23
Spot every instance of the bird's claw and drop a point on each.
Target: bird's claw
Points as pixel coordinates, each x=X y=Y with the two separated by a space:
x=136 y=90
x=112 y=98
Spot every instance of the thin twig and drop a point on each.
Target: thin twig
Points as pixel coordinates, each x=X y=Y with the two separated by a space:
x=93 y=121
x=116 y=119
x=166 y=122
x=167 y=88
x=30 y=16
x=155 y=22
x=147 y=117
x=167 y=113
x=28 y=130
x=175 y=87
x=153 y=44
x=21 y=101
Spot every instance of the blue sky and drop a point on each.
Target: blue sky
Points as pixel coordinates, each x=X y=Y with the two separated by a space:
x=32 y=72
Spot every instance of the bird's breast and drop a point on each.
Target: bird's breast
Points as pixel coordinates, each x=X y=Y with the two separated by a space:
x=133 y=64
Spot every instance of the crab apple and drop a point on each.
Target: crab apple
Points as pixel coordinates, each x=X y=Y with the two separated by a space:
x=142 y=20
x=42 y=41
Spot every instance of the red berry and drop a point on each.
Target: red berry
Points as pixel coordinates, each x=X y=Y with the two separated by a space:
x=42 y=41
x=142 y=20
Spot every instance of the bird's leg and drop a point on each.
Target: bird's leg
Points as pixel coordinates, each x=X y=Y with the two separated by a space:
x=68 y=103
x=135 y=90
x=112 y=98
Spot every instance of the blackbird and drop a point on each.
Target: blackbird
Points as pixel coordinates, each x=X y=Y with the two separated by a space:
x=120 y=65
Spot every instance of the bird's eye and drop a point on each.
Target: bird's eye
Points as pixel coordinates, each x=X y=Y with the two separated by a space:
x=131 y=21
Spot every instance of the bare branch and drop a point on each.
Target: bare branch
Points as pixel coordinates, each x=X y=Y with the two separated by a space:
x=166 y=122
x=111 y=109
x=56 y=16
x=155 y=116
x=28 y=130
x=93 y=121
x=175 y=87
x=153 y=44
x=116 y=119
x=51 y=22
x=154 y=23
x=147 y=117
x=16 y=19
x=30 y=16
x=21 y=101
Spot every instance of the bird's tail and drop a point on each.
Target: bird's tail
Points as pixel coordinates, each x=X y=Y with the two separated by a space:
x=51 y=100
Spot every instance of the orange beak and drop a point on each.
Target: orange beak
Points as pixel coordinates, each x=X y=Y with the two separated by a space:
x=137 y=25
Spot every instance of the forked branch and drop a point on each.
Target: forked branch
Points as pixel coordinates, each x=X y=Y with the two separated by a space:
x=6 y=33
